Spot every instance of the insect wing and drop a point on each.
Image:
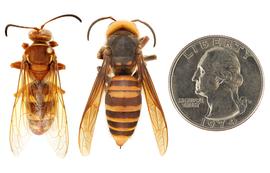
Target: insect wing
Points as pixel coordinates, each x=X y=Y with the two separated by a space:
x=58 y=132
x=154 y=107
x=91 y=110
x=19 y=126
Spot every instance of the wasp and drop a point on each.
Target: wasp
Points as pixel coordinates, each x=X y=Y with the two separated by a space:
x=39 y=106
x=122 y=75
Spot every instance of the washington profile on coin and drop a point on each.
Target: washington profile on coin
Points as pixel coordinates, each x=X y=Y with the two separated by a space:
x=216 y=82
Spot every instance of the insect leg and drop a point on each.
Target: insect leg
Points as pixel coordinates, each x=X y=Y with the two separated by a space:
x=143 y=41
x=53 y=43
x=100 y=52
x=61 y=66
x=25 y=45
x=150 y=57
x=17 y=65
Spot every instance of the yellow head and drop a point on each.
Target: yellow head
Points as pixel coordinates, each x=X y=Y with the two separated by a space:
x=117 y=25
x=40 y=35
x=122 y=24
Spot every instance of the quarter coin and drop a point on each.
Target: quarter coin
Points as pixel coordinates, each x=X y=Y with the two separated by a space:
x=216 y=82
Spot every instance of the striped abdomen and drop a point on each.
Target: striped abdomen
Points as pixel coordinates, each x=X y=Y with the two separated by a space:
x=123 y=105
x=41 y=107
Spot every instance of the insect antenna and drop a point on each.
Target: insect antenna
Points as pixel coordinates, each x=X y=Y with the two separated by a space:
x=90 y=27
x=18 y=26
x=65 y=15
x=42 y=26
x=146 y=24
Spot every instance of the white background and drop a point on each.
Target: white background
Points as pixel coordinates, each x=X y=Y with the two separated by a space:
x=176 y=23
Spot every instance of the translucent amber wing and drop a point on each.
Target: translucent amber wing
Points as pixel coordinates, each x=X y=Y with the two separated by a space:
x=19 y=127
x=58 y=132
x=154 y=107
x=91 y=110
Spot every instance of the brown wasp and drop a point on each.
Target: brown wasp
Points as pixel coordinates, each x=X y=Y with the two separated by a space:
x=122 y=75
x=39 y=107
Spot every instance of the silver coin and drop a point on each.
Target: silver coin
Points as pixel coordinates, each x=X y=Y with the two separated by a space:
x=216 y=82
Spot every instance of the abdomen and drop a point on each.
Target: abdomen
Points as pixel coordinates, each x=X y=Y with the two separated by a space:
x=41 y=107
x=123 y=105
